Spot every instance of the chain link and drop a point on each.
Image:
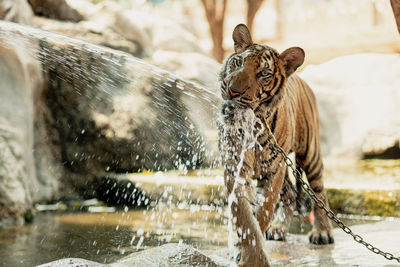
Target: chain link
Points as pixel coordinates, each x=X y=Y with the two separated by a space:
x=297 y=172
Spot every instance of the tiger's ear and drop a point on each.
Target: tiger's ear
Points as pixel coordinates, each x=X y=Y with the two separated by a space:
x=291 y=59
x=241 y=38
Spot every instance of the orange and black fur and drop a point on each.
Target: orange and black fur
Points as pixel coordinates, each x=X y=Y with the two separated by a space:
x=257 y=77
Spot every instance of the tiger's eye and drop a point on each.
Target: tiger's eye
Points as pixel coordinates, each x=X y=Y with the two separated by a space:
x=265 y=72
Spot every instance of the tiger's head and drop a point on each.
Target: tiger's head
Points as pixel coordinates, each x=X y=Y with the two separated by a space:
x=255 y=73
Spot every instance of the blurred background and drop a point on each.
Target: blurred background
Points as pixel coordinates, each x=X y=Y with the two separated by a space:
x=108 y=141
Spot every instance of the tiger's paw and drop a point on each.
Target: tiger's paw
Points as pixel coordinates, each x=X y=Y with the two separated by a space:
x=276 y=232
x=321 y=237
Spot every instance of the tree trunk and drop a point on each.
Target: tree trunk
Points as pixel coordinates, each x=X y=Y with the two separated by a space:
x=396 y=10
x=279 y=26
x=252 y=7
x=215 y=13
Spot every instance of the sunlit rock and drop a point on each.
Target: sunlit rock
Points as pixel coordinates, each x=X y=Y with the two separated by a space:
x=16 y=11
x=24 y=176
x=85 y=7
x=150 y=31
x=92 y=32
x=383 y=142
x=193 y=66
x=355 y=94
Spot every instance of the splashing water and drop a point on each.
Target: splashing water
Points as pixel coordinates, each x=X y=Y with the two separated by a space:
x=91 y=88
x=245 y=132
x=171 y=112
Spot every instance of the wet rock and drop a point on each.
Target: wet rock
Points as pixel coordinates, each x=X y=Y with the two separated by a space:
x=55 y=9
x=17 y=11
x=72 y=262
x=353 y=100
x=167 y=255
x=382 y=143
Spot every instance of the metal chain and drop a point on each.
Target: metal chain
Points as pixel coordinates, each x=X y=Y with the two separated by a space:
x=297 y=172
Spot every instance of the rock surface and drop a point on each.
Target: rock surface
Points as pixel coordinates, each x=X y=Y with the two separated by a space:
x=94 y=34
x=154 y=32
x=160 y=41
x=55 y=9
x=355 y=94
x=16 y=11
x=192 y=66
x=21 y=82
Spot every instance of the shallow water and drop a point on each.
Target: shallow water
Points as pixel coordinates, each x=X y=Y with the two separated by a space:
x=104 y=237
x=108 y=237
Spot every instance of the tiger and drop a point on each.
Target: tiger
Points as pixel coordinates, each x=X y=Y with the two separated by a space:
x=258 y=79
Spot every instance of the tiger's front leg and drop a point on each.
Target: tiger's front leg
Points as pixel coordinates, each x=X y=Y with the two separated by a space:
x=269 y=190
x=242 y=196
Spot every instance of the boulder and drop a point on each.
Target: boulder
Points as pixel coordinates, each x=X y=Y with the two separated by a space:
x=16 y=11
x=92 y=32
x=148 y=30
x=134 y=26
x=355 y=94
x=195 y=67
x=86 y=8
x=134 y=31
x=55 y=9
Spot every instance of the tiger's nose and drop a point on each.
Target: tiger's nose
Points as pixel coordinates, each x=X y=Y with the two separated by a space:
x=228 y=108
x=234 y=88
